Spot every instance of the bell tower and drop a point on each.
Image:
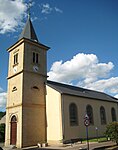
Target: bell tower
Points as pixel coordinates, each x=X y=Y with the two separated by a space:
x=26 y=102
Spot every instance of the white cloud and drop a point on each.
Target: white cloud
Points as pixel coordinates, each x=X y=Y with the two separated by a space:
x=82 y=66
x=47 y=9
x=116 y=96
x=3 y=98
x=1 y=89
x=58 y=10
x=11 y=15
x=106 y=85
x=85 y=70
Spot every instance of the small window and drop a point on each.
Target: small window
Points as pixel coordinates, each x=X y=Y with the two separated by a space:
x=102 y=115
x=14 y=89
x=73 y=114
x=113 y=114
x=35 y=58
x=89 y=111
x=16 y=59
x=35 y=88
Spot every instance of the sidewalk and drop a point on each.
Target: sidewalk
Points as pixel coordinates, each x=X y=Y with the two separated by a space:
x=79 y=146
x=76 y=146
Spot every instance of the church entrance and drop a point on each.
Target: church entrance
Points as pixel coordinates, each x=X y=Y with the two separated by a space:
x=13 y=130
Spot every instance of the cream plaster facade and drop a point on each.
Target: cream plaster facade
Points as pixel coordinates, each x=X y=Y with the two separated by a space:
x=27 y=94
x=80 y=130
x=54 y=116
x=58 y=122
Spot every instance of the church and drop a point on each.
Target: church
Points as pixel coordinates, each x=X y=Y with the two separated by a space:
x=47 y=112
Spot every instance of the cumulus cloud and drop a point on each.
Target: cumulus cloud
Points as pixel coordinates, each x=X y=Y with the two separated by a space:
x=85 y=70
x=47 y=9
x=106 y=85
x=3 y=98
x=11 y=15
x=82 y=66
x=116 y=96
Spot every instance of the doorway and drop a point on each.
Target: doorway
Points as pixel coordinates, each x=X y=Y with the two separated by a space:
x=13 y=137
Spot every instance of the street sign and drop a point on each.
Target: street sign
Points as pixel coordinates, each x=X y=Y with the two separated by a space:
x=86 y=122
x=86 y=117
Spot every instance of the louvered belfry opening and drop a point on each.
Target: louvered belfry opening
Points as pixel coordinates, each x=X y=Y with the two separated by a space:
x=13 y=137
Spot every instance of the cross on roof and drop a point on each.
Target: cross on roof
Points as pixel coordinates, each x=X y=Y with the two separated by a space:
x=28 y=9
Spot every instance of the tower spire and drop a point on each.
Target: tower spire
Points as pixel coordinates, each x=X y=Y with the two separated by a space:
x=28 y=31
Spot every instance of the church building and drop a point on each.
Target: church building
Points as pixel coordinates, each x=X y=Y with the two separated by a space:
x=42 y=111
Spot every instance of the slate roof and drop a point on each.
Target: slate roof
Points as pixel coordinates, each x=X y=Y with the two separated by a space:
x=28 y=31
x=77 y=91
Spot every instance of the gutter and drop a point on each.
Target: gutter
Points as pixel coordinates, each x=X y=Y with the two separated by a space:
x=63 y=118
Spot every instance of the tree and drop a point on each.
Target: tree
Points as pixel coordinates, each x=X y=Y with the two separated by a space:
x=112 y=131
x=2 y=132
x=2 y=114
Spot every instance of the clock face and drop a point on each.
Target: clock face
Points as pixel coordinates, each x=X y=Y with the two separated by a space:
x=15 y=69
x=36 y=68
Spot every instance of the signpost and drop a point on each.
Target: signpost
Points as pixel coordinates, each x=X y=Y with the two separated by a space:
x=87 y=123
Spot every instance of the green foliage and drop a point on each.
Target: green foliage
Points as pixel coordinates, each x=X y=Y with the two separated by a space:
x=2 y=114
x=2 y=132
x=112 y=131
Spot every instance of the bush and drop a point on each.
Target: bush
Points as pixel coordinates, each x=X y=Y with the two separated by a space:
x=112 y=131
x=2 y=132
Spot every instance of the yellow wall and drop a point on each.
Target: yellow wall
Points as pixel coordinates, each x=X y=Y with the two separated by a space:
x=14 y=97
x=27 y=103
x=17 y=111
x=20 y=50
x=58 y=123
x=54 y=116
x=34 y=110
x=80 y=130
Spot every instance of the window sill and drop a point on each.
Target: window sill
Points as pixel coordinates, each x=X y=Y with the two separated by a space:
x=15 y=64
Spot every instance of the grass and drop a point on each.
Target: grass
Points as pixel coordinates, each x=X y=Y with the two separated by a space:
x=103 y=139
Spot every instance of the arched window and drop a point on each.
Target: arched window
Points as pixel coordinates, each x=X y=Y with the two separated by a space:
x=13 y=119
x=73 y=114
x=89 y=111
x=113 y=114
x=102 y=115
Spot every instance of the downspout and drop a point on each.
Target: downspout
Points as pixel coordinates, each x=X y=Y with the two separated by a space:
x=63 y=119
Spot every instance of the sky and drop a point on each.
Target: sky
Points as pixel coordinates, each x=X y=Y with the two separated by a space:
x=82 y=36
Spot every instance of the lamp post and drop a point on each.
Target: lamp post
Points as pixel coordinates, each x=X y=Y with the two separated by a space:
x=96 y=129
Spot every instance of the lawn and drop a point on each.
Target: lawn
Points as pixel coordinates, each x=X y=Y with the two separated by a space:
x=103 y=139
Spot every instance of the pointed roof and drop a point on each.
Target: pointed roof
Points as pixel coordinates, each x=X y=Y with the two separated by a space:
x=28 y=31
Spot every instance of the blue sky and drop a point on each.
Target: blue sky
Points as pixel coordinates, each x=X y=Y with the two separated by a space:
x=82 y=35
